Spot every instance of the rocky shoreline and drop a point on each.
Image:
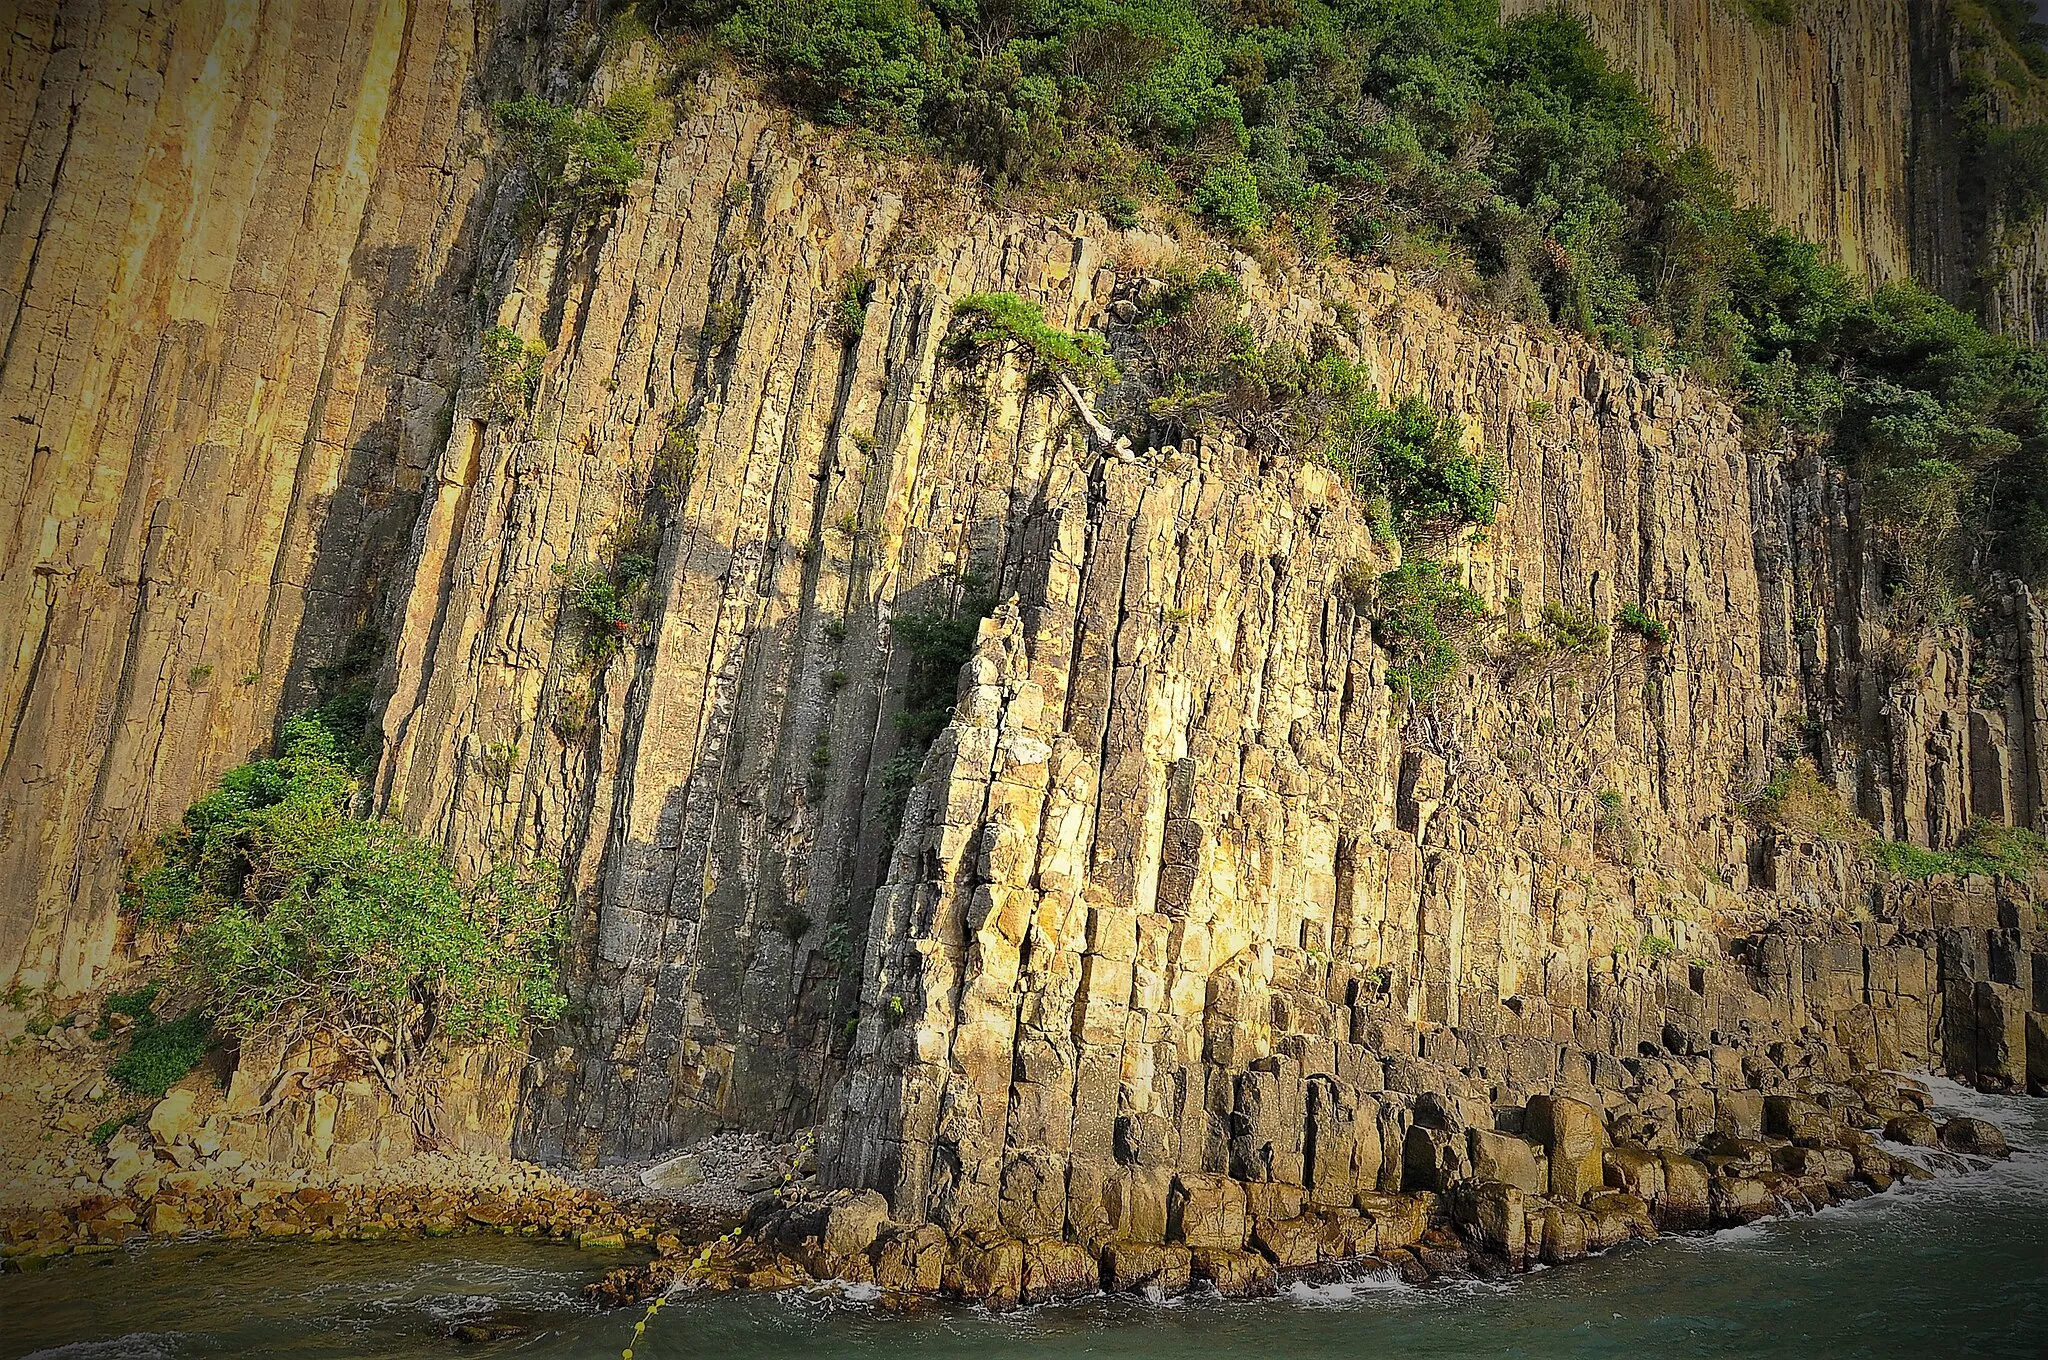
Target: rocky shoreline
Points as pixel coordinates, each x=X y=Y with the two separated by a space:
x=1455 y=1187
x=1562 y=1191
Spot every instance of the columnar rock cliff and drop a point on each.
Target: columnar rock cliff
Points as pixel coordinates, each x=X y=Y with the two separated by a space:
x=228 y=231
x=1848 y=121
x=1180 y=837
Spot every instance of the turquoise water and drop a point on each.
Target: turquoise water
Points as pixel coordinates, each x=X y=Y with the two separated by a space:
x=1956 y=1267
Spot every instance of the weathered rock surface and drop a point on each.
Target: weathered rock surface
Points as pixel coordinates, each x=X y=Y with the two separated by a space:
x=1190 y=935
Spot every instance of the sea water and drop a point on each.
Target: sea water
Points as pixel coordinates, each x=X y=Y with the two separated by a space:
x=1953 y=1267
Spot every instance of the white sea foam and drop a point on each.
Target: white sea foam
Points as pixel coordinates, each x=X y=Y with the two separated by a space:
x=1349 y=1290
x=134 y=1346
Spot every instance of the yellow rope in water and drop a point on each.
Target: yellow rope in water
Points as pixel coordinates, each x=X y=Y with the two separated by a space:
x=804 y=1143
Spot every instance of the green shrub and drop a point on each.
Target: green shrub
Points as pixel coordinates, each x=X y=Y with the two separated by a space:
x=292 y=909
x=1508 y=158
x=849 y=315
x=1986 y=848
x=577 y=163
x=628 y=113
x=511 y=369
x=937 y=643
x=1121 y=210
x=136 y=1004
x=605 y=596
x=1426 y=619
x=1797 y=799
x=161 y=1055
x=1635 y=619
x=722 y=322
x=1433 y=481
x=986 y=325
x=675 y=463
x=1565 y=643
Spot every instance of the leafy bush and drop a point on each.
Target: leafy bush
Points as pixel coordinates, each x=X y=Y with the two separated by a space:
x=1426 y=619
x=986 y=325
x=577 y=163
x=291 y=909
x=136 y=1004
x=1433 y=481
x=1986 y=848
x=1798 y=800
x=605 y=595
x=1207 y=365
x=1510 y=158
x=1564 y=643
x=938 y=643
x=1654 y=632
x=675 y=463
x=849 y=314
x=160 y=1055
x=511 y=370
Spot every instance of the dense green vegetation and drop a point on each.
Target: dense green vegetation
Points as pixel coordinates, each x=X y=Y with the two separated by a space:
x=1986 y=848
x=1633 y=618
x=510 y=371
x=936 y=642
x=604 y=596
x=1508 y=158
x=161 y=1053
x=1799 y=800
x=1408 y=460
x=289 y=908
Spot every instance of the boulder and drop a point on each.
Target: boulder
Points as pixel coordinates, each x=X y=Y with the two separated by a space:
x=1977 y=1136
x=1397 y=1220
x=854 y=1220
x=1506 y=1158
x=1739 y=1199
x=1793 y=1117
x=1141 y=1267
x=1290 y=1242
x=679 y=1173
x=913 y=1260
x=1686 y=1201
x=1272 y=1199
x=1565 y=1233
x=1635 y=1170
x=1344 y=1234
x=1432 y=1158
x=172 y=1121
x=1206 y=1211
x=1235 y=1274
x=1739 y=1114
x=1055 y=1270
x=1495 y=1211
x=1572 y=1132
x=992 y=1271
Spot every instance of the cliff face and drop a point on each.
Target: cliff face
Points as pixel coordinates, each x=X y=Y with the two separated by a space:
x=1814 y=118
x=1849 y=123
x=1182 y=730
x=224 y=229
x=1179 y=827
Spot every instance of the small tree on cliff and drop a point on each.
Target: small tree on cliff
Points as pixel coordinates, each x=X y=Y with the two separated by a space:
x=295 y=916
